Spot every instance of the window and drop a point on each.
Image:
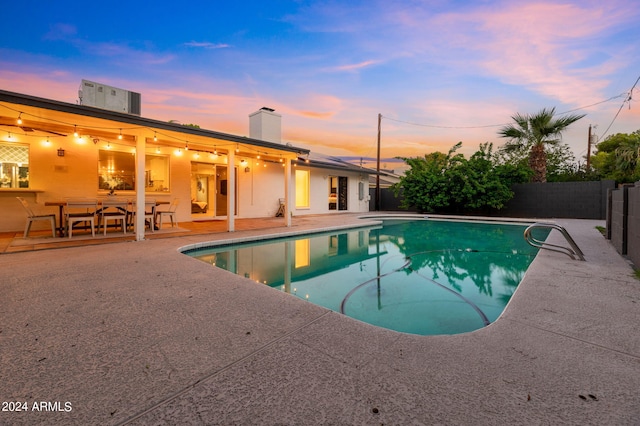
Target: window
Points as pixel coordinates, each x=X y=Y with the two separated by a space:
x=156 y=171
x=117 y=171
x=14 y=166
x=302 y=188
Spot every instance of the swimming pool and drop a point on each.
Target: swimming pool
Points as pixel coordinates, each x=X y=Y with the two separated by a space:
x=422 y=277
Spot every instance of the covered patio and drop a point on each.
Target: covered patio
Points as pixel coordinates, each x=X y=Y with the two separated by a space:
x=51 y=151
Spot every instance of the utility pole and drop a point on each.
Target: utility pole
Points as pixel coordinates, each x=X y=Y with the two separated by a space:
x=589 y=150
x=378 y=167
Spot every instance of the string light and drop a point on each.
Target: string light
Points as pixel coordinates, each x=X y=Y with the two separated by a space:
x=186 y=146
x=120 y=135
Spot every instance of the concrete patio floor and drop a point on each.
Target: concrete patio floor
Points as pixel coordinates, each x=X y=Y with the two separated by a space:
x=138 y=333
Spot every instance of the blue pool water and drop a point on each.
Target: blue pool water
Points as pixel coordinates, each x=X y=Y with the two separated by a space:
x=422 y=277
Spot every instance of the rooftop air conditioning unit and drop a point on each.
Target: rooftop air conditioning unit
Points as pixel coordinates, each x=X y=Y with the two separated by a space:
x=100 y=95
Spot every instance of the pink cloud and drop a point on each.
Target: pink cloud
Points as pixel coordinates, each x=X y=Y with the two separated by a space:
x=354 y=67
x=541 y=45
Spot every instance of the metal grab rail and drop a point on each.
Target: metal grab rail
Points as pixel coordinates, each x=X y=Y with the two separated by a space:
x=573 y=252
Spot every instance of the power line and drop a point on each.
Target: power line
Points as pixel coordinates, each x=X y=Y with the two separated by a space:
x=627 y=99
x=442 y=127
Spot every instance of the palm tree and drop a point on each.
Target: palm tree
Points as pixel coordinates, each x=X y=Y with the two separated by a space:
x=534 y=132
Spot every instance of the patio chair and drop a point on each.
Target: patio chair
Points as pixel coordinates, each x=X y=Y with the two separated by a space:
x=80 y=210
x=32 y=217
x=115 y=209
x=171 y=212
x=149 y=212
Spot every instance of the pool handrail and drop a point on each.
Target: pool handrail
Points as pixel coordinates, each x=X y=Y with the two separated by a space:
x=573 y=252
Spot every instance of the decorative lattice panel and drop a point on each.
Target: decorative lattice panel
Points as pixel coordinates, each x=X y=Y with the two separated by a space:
x=14 y=154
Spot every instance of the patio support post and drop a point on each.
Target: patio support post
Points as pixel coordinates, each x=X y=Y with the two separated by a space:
x=231 y=190
x=140 y=182
x=287 y=192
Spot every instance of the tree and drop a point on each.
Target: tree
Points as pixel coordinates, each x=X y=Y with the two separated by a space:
x=533 y=132
x=618 y=157
x=450 y=183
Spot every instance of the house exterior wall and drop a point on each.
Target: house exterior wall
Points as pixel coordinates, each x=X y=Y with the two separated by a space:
x=55 y=178
x=261 y=188
x=319 y=191
x=76 y=173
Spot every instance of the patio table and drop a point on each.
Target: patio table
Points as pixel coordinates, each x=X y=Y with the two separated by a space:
x=61 y=204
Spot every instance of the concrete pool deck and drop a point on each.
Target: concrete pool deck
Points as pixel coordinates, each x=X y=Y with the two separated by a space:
x=138 y=333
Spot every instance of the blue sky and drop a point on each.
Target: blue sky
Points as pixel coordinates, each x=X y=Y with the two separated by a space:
x=438 y=71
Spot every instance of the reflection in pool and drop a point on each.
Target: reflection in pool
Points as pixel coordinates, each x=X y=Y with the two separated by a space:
x=422 y=277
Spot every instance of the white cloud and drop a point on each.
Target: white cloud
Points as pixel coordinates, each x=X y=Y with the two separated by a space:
x=207 y=45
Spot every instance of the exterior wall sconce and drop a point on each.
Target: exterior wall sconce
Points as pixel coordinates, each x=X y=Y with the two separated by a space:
x=60 y=152
x=247 y=170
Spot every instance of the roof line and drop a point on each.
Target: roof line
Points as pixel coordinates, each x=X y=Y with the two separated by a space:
x=33 y=101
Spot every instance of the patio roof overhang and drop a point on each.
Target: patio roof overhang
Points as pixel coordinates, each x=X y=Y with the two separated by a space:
x=57 y=118
x=335 y=164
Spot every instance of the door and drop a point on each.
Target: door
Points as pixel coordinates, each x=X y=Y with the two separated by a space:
x=342 y=192
x=222 y=188
x=221 y=191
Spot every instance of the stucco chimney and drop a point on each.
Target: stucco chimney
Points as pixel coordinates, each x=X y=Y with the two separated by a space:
x=265 y=124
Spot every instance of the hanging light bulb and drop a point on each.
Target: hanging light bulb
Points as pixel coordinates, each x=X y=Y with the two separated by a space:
x=155 y=138
x=9 y=137
x=19 y=120
x=75 y=131
x=186 y=146
x=157 y=150
x=47 y=142
x=108 y=145
x=237 y=148
x=120 y=135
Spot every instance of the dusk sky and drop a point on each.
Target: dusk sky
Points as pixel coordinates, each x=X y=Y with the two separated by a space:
x=438 y=71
